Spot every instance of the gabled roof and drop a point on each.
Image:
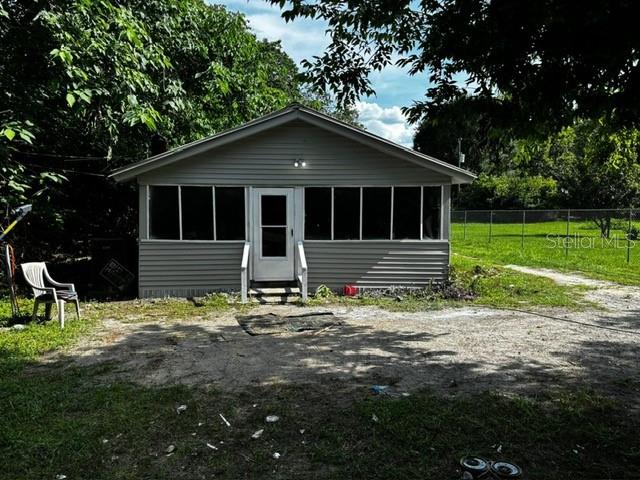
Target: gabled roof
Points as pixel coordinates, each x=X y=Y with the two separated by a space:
x=280 y=117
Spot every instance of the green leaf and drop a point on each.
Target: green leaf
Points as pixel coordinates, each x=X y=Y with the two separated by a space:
x=65 y=56
x=26 y=136
x=71 y=99
x=9 y=133
x=149 y=122
x=85 y=95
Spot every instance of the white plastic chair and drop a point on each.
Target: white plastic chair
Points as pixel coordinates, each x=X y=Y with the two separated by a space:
x=37 y=276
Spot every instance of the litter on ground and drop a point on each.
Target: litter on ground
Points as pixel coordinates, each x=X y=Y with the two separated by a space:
x=226 y=422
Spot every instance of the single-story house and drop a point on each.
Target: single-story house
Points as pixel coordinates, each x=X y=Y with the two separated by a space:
x=294 y=196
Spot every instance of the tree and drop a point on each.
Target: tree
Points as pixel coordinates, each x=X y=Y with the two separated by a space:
x=510 y=190
x=541 y=63
x=594 y=164
x=89 y=82
x=486 y=148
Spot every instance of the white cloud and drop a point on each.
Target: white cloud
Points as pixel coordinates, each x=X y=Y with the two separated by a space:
x=304 y=38
x=300 y=39
x=387 y=122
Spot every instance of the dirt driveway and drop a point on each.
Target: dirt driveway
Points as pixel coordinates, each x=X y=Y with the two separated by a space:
x=457 y=349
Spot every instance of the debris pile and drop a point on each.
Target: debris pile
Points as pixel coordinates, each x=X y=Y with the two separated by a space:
x=272 y=324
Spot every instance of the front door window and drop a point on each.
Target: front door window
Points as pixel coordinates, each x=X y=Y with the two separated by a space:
x=273 y=211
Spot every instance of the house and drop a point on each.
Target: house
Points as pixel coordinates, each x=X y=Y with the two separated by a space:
x=294 y=196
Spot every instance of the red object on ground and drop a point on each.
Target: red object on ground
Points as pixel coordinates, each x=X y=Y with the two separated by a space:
x=350 y=290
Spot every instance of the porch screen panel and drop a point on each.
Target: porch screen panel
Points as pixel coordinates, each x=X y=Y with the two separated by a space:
x=406 y=213
x=230 y=221
x=317 y=213
x=197 y=213
x=431 y=212
x=376 y=213
x=164 y=221
x=346 y=213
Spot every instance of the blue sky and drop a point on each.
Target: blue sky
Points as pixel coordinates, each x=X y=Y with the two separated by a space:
x=304 y=38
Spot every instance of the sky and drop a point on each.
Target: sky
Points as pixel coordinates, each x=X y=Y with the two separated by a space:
x=304 y=38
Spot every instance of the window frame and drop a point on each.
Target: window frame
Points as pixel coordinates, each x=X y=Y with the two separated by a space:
x=147 y=188
x=390 y=219
x=440 y=212
x=303 y=213
x=247 y=193
x=333 y=216
x=390 y=239
x=148 y=212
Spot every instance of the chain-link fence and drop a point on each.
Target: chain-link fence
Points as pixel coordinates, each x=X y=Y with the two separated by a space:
x=591 y=240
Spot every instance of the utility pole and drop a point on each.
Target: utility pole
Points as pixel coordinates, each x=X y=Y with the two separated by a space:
x=460 y=162
x=460 y=154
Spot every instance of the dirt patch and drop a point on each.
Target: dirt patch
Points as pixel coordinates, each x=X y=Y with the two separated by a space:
x=456 y=349
x=561 y=278
x=620 y=299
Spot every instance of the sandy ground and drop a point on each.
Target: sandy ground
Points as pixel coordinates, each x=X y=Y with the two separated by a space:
x=461 y=349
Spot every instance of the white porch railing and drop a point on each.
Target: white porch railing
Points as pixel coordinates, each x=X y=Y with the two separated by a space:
x=244 y=273
x=302 y=271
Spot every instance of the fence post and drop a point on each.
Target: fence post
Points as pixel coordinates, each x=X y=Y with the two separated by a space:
x=566 y=240
x=490 y=224
x=524 y=213
x=629 y=238
x=464 y=228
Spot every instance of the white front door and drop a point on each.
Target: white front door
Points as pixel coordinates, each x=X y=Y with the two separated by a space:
x=273 y=234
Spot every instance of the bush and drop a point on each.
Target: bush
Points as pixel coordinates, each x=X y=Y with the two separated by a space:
x=509 y=192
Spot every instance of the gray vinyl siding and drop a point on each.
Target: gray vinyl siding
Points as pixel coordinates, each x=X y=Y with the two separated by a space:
x=376 y=263
x=183 y=269
x=266 y=159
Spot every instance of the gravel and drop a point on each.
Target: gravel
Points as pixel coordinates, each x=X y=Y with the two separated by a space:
x=454 y=350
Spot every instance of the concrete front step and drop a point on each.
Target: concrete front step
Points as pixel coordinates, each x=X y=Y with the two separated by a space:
x=274 y=293
x=274 y=299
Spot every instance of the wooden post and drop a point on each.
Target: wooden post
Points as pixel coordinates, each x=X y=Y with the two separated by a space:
x=7 y=263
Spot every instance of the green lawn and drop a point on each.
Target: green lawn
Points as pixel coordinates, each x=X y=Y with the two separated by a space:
x=488 y=283
x=544 y=245
x=62 y=421
x=64 y=424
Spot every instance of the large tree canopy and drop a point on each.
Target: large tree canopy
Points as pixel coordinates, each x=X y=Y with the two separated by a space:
x=541 y=62
x=86 y=84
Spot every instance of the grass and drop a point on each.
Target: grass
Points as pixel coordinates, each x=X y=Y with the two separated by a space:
x=63 y=421
x=64 y=424
x=501 y=287
x=545 y=246
x=490 y=285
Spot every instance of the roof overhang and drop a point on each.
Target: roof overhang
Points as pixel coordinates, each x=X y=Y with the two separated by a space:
x=281 y=117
